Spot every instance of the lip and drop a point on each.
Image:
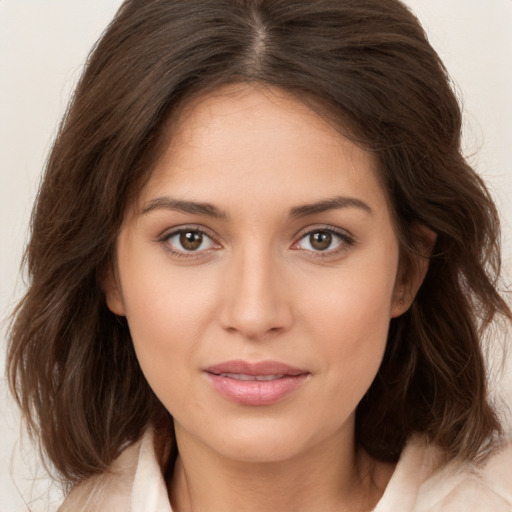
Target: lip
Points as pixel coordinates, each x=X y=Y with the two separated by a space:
x=259 y=383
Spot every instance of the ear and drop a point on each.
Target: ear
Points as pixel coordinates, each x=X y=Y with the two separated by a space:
x=112 y=291
x=411 y=277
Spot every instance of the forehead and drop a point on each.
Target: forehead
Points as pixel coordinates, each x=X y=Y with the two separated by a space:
x=254 y=142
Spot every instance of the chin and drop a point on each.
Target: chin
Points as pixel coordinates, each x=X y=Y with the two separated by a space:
x=261 y=450
x=267 y=441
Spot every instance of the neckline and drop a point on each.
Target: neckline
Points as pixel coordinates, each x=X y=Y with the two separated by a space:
x=149 y=491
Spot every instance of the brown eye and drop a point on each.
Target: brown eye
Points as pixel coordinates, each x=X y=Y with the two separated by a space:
x=191 y=240
x=188 y=240
x=320 y=240
x=324 y=241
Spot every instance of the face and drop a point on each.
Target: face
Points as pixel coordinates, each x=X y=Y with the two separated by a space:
x=257 y=272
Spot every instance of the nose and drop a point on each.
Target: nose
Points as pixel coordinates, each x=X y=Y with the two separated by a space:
x=256 y=300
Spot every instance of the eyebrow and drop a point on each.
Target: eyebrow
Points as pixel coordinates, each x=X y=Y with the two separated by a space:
x=332 y=203
x=168 y=203
x=297 y=212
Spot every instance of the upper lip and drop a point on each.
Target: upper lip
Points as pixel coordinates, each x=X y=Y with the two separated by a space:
x=239 y=366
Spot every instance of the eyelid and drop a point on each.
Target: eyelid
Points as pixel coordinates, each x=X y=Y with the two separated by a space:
x=347 y=238
x=175 y=230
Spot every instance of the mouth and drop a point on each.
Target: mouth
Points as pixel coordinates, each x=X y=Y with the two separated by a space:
x=256 y=384
x=245 y=377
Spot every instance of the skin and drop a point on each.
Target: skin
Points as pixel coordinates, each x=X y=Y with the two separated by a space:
x=259 y=288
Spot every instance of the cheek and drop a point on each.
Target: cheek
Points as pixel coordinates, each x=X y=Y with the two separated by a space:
x=349 y=316
x=162 y=301
x=356 y=330
x=168 y=312
x=352 y=301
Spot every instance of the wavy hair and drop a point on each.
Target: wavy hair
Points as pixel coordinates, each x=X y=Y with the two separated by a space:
x=365 y=65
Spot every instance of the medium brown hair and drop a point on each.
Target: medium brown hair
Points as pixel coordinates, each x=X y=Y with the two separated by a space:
x=368 y=67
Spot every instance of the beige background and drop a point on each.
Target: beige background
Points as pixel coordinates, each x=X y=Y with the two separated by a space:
x=43 y=44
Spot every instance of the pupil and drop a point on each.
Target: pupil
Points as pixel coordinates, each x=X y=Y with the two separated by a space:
x=191 y=240
x=321 y=240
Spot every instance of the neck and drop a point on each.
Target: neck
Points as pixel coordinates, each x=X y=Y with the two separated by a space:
x=336 y=477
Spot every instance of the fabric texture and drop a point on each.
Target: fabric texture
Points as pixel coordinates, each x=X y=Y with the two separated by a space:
x=421 y=482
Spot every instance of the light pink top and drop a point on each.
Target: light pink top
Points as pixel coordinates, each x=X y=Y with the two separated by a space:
x=420 y=483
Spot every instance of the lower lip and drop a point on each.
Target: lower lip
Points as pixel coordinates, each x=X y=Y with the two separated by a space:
x=254 y=392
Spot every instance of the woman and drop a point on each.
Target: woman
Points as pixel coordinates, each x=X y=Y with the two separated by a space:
x=261 y=270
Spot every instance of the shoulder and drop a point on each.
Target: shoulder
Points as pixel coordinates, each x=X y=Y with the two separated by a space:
x=133 y=483
x=110 y=490
x=472 y=488
x=424 y=482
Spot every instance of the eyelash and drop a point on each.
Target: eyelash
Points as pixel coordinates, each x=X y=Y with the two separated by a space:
x=346 y=241
x=166 y=237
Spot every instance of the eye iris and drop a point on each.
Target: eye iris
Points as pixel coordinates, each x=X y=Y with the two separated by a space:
x=321 y=240
x=191 y=240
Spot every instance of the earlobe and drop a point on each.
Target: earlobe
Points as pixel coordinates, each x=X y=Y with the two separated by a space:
x=410 y=280
x=399 y=306
x=113 y=297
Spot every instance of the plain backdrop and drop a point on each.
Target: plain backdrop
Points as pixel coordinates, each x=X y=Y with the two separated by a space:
x=43 y=45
